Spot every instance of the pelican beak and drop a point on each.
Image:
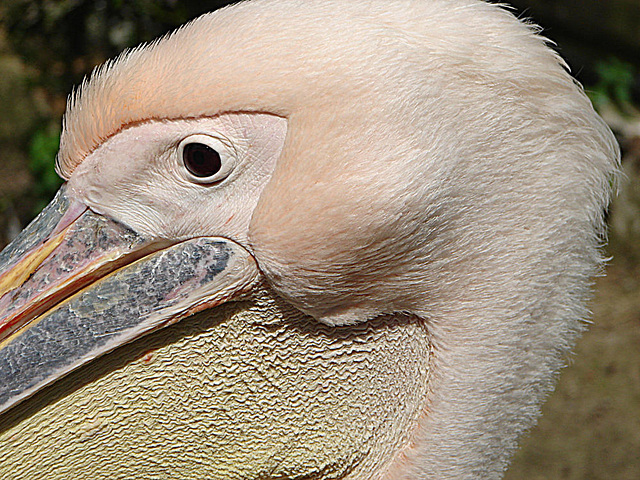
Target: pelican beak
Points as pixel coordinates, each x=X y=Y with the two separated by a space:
x=75 y=285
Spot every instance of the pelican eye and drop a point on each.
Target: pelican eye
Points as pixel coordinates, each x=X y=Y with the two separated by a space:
x=201 y=160
x=206 y=159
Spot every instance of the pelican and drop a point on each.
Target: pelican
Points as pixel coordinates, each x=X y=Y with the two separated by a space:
x=306 y=240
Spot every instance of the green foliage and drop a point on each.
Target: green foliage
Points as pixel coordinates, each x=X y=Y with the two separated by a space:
x=43 y=148
x=59 y=42
x=615 y=83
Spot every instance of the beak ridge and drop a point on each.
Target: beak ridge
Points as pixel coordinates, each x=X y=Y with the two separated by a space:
x=92 y=285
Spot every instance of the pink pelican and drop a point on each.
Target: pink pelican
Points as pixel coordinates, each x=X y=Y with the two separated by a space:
x=306 y=240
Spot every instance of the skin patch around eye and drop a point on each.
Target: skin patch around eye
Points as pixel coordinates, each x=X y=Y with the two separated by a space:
x=138 y=178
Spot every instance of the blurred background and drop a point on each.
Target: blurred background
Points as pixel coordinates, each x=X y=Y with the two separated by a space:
x=590 y=428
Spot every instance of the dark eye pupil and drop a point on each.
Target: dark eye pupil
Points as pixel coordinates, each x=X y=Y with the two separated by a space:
x=201 y=160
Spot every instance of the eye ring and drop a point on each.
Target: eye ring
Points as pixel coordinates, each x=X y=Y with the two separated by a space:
x=205 y=159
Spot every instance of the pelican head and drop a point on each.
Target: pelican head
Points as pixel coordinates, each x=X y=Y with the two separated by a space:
x=320 y=239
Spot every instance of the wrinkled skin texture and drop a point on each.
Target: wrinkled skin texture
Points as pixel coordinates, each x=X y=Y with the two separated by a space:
x=251 y=390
